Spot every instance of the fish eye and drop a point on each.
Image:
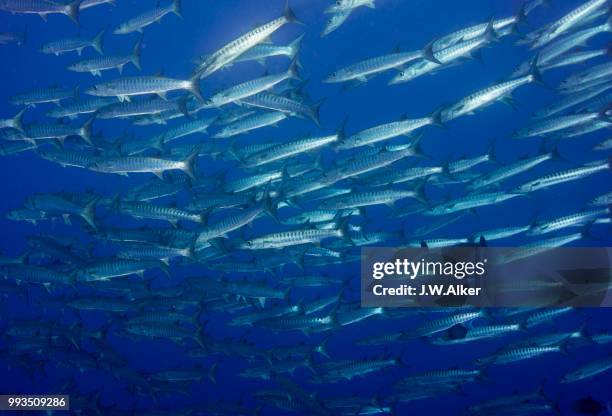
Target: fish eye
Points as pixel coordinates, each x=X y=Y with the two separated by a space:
x=402 y=74
x=335 y=74
x=338 y=2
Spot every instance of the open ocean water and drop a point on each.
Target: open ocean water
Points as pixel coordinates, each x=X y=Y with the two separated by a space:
x=89 y=309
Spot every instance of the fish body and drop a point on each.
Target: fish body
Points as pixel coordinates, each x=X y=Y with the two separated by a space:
x=138 y=23
x=43 y=8
x=95 y=66
x=124 y=88
x=74 y=44
x=232 y=51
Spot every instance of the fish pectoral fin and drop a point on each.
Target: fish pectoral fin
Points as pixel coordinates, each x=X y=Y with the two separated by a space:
x=162 y=95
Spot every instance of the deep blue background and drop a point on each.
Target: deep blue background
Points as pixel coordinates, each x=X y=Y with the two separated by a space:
x=172 y=45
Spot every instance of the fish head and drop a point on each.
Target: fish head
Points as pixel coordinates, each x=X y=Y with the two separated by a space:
x=95 y=90
x=121 y=30
x=333 y=77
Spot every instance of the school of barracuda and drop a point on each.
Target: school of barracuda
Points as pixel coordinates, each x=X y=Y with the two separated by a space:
x=318 y=213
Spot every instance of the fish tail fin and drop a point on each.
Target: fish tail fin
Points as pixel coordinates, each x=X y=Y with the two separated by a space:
x=534 y=72
x=345 y=230
x=182 y=106
x=194 y=87
x=490 y=33
x=322 y=348
x=436 y=118
x=135 y=59
x=212 y=373
x=24 y=36
x=521 y=16
x=269 y=205
x=72 y=11
x=89 y=213
x=491 y=156
x=16 y=123
x=428 y=53
x=417 y=149
x=419 y=193
x=289 y=15
x=604 y=113
x=177 y=8
x=341 y=133
x=314 y=113
x=292 y=72
x=294 y=49
x=190 y=161
x=97 y=42
x=86 y=130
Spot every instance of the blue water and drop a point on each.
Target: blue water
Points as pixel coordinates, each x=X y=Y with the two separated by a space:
x=171 y=47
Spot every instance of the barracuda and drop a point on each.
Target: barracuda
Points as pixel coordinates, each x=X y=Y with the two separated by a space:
x=362 y=71
x=97 y=65
x=285 y=150
x=250 y=123
x=490 y=95
x=363 y=199
x=35 y=274
x=44 y=95
x=568 y=21
x=137 y=164
x=285 y=105
x=114 y=268
x=505 y=172
x=252 y=181
x=68 y=157
x=388 y=131
x=232 y=51
x=262 y=51
x=384 y=157
x=185 y=129
x=124 y=88
x=335 y=21
x=344 y=5
x=43 y=8
x=499 y=233
x=471 y=201
x=151 y=211
x=141 y=107
x=294 y=238
x=574 y=220
x=442 y=324
x=517 y=354
x=252 y=87
x=564 y=176
x=138 y=23
x=74 y=44
x=228 y=224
